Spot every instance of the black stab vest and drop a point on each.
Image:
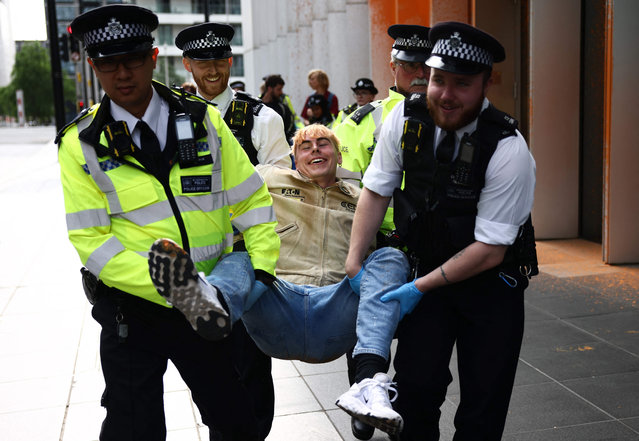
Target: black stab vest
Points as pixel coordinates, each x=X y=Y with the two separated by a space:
x=435 y=211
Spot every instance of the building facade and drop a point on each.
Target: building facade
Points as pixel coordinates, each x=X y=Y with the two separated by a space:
x=7 y=45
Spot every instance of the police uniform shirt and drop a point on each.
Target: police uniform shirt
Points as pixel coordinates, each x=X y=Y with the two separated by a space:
x=507 y=197
x=156 y=116
x=267 y=134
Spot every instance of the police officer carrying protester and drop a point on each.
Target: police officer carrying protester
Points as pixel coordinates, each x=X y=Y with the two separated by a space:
x=206 y=53
x=148 y=162
x=464 y=214
x=360 y=131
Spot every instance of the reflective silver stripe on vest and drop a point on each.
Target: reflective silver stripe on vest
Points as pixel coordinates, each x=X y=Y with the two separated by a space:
x=147 y=215
x=100 y=177
x=101 y=255
x=206 y=203
x=208 y=252
x=245 y=189
x=253 y=217
x=214 y=148
x=95 y=217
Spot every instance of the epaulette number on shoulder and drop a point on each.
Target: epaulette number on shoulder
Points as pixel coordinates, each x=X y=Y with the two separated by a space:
x=79 y=116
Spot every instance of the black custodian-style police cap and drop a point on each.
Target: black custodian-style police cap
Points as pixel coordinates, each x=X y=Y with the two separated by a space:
x=463 y=49
x=366 y=84
x=411 y=42
x=115 y=30
x=206 y=41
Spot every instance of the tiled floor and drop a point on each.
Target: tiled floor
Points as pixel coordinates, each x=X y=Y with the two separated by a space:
x=578 y=376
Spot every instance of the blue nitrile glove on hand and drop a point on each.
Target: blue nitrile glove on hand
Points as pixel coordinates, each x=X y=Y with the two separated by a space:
x=355 y=281
x=407 y=295
x=258 y=289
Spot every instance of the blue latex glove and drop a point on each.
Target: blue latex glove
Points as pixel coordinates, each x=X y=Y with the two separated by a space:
x=355 y=281
x=407 y=295
x=256 y=292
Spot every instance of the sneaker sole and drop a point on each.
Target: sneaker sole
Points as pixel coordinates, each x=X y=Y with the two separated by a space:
x=175 y=278
x=391 y=426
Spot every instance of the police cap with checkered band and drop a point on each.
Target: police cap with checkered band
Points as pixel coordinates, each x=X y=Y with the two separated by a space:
x=463 y=49
x=206 y=41
x=411 y=42
x=115 y=30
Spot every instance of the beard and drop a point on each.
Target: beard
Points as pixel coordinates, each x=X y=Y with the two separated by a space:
x=448 y=124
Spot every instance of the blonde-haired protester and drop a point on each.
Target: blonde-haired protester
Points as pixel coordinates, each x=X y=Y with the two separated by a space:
x=311 y=311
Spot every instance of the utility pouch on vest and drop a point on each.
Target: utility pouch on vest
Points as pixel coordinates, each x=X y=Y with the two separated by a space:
x=412 y=135
x=239 y=115
x=90 y=284
x=119 y=138
x=525 y=250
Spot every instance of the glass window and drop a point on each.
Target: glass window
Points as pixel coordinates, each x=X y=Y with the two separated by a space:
x=219 y=6
x=170 y=71
x=237 y=69
x=237 y=37
x=163 y=6
x=165 y=35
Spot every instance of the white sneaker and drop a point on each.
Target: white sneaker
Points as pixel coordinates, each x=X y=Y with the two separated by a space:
x=175 y=277
x=368 y=401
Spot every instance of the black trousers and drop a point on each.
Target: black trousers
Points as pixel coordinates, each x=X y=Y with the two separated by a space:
x=134 y=367
x=484 y=318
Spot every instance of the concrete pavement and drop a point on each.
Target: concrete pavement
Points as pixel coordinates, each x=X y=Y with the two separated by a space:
x=578 y=376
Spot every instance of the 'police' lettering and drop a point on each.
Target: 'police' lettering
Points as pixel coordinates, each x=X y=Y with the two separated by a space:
x=196 y=184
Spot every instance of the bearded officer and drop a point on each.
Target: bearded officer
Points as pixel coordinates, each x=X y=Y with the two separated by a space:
x=206 y=53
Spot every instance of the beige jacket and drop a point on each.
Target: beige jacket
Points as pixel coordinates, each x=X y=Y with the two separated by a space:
x=314 y=225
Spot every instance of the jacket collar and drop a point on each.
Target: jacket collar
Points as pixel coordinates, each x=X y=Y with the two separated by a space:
x=177 y=104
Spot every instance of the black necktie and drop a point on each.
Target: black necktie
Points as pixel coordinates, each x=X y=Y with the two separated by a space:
x=446 y=148
x=149 y=142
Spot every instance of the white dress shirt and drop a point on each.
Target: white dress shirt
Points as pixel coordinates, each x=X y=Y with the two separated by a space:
x=156 y=116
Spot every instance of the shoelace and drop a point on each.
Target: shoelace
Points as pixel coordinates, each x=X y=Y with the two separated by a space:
x=369 y=384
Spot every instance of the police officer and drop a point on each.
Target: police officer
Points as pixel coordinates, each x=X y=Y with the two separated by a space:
x=145 y=163
x=360 y=131
x=469 y=183
x=206 y=53
x=364 y=92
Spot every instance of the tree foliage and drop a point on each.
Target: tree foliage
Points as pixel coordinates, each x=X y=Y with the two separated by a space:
x=32 y=73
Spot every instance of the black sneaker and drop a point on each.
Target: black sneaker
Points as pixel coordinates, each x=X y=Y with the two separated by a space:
x=361 y=430
x=176 y=279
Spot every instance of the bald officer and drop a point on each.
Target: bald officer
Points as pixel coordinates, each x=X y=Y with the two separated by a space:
x=206 y=53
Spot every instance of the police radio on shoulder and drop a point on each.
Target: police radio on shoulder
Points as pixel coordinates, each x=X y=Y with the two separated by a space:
x=187 y=150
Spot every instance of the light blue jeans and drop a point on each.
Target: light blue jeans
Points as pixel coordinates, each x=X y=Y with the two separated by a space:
x=311 y=323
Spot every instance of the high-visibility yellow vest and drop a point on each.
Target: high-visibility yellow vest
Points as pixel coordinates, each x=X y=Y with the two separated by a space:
x=358 y=140
x=115 y=209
